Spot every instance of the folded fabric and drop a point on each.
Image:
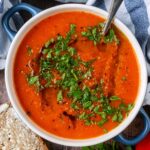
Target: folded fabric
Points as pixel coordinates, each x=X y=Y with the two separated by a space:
x=75 y=1
x=4 y=41
x=1 y=6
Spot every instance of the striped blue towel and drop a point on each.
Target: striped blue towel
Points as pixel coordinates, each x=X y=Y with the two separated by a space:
x=1 y=6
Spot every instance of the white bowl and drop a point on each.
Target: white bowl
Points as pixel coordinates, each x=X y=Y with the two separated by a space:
x=14 y=99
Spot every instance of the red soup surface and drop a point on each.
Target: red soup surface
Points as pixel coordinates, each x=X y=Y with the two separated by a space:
x=71 y=80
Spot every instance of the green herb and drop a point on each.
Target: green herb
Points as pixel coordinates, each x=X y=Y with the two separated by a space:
x=96 y=109
x=72 y=51
x=103 y=115
x=86 y=148
x=94 y=98
x=101 y=24
x=74 y=106
x=49 y=42
x=120 y=117
x=130 y=107
x=59 y=96
x=77 y=94
x=88 y=73
x=105 y=130
x=87 y=104
x=95 y=34
x=91 y=107
x=122 y=106
x=74 y=74
x=88 y=122
x=128 y=148
x=86 y=95
x=110 y=145
x=125 y=107
x=29 y=50
x=32 y=79
x=45 y=51
x=117 y=116
x=83 y=116
x=114 y=98
x=124 y=78
x=102 y=122
x=88 y=63
x=111 y=37
x=70 y=33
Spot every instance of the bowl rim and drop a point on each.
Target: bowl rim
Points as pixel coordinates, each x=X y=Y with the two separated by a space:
x=13 y=96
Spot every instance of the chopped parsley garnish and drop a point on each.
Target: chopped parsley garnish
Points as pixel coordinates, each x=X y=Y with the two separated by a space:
x=33 y=79
x=110 y=37
x=29 y=50
x=95 y=34
x=114 y=98
x=61 y=67
x=49 y=42
x=59 y=96
x=124 y=78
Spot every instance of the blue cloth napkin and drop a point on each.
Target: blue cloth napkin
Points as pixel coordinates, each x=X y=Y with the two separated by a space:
x=1 y=6
x=4 y=41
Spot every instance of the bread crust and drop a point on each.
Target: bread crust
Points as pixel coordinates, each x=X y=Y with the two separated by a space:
x=15 y=135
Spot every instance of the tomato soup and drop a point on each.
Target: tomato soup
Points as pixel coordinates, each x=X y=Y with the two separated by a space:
x=73 y=81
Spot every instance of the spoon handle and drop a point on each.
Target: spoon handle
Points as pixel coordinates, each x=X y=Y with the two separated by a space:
x=112 y=11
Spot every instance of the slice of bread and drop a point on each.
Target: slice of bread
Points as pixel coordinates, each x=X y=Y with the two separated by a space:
x=15 y=135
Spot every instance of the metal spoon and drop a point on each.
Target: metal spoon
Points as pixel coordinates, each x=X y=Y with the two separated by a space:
x=115 y=4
